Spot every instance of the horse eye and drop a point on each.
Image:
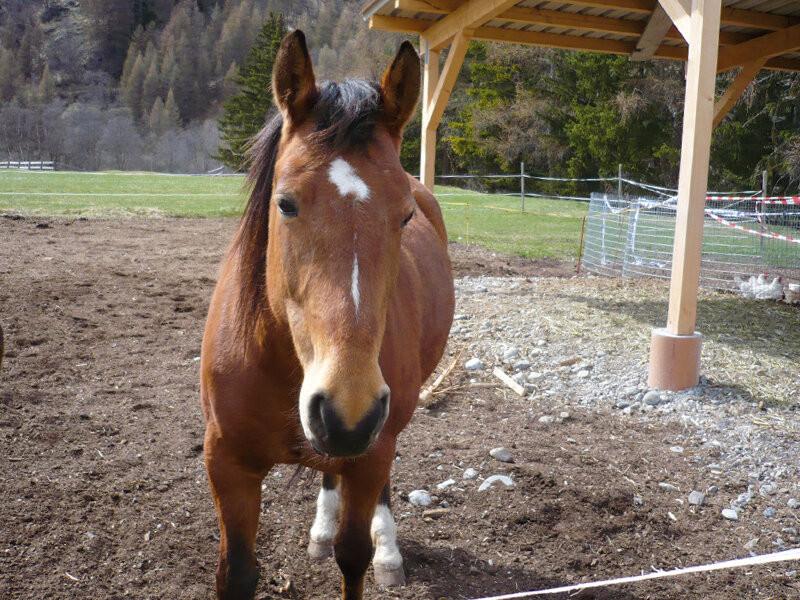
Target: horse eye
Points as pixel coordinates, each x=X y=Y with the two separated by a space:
x=407 y=219
x=287 y=206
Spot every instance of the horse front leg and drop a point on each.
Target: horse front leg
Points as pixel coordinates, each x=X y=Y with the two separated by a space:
x=237 y=498
x=323 y=531
x=387 y=564
x=360 y=490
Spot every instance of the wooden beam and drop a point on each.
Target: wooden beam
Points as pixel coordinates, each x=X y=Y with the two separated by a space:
x=730 y=16
x=434 y=7
x=430 y=80
x=569 y=42
x=698 y=116
x=447 y=81
x=554 y=18
x=678 y=12
x=655 y=31
x=398 y=24
x=765 y=46
x=436 y=89
x=469 y=15
x=735 y=90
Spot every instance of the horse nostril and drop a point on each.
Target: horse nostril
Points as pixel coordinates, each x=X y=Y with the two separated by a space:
x=317 y=403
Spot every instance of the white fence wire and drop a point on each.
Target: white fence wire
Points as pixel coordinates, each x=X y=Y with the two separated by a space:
x=743 y=236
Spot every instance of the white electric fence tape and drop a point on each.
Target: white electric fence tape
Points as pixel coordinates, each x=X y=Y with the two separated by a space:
x=765 y=559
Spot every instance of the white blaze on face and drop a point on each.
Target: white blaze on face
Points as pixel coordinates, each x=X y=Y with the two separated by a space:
x=348 y=183
x=354 y=286
x=324 y=528
x=384 y=537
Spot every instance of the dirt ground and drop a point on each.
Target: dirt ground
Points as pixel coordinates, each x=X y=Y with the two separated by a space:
x=102 y=488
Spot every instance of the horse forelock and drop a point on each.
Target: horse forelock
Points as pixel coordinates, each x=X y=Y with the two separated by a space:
x=345 y=116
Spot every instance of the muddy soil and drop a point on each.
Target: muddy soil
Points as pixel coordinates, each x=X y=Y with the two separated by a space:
x=102 y=488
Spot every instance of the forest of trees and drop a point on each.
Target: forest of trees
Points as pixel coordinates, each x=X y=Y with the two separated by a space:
x=140 y=84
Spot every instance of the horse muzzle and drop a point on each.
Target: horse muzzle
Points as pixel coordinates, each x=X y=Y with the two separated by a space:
x=331 y=436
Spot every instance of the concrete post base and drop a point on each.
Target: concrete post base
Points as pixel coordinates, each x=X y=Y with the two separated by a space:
x=674 y=360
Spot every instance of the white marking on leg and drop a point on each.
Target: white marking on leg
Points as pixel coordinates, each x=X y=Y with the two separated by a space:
x=384 y=537
x=347 y=181
x=324 y=528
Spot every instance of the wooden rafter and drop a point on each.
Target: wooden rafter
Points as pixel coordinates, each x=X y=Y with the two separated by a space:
x=765 y=46
x=657 y=27
x=570 y=42
x=730 y=16
x=552 y=18
x=469 y=15
x=735 y=90
x=678 y=12
x=435 y=7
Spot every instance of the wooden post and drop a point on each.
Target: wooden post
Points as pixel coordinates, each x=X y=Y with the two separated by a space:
x=430 y=78
x=522 y=185
x=675 y=350
x=439 y=96
x=619 y=181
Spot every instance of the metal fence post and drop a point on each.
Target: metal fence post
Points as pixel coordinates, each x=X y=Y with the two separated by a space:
x=619 y=181
x=522 y=185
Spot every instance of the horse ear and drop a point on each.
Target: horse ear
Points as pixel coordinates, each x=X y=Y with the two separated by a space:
x=400 y=85
x=293 y=84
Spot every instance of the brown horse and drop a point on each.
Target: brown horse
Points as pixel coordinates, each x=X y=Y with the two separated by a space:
x=332 y=308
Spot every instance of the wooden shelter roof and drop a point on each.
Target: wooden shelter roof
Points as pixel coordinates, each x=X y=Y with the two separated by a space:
x=640 y=29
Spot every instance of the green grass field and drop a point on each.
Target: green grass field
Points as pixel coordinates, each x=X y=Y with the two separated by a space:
x=547 y=229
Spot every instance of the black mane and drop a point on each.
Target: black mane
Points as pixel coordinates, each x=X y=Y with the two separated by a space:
x=345 y=115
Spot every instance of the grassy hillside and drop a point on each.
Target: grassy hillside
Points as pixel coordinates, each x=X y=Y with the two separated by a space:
x=548 y=228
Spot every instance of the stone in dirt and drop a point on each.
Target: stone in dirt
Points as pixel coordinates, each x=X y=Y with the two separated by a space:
x=510 y=354
x=770 y=512
x=696 y=498
x=445 y=484
x=490 y=482
x=473 y=364
x=470 y=473
x=730 y=514
x=420 y=498
x=668 y=487
x=793 y=503
x=652 y=398
x=568 y=362
x=501 y=454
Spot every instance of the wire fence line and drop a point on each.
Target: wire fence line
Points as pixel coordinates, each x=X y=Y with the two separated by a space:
x=633 y=237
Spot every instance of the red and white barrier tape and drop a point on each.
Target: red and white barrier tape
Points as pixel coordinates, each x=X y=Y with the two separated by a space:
x=759 y=199
x=764 y=559
x=767 y=234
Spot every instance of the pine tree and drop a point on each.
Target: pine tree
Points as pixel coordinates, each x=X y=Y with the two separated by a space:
x=156 y=119
x=245 y=113
x=229 y=87
x=47 y=87
x=151 y=87
x=173 y=115
x=132 y=92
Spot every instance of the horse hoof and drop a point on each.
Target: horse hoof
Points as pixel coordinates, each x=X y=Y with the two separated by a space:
x=320 y=550
x=390 y=577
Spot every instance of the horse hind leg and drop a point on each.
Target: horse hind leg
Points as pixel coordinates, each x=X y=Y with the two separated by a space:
x=387 y=563
x=323 y=531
